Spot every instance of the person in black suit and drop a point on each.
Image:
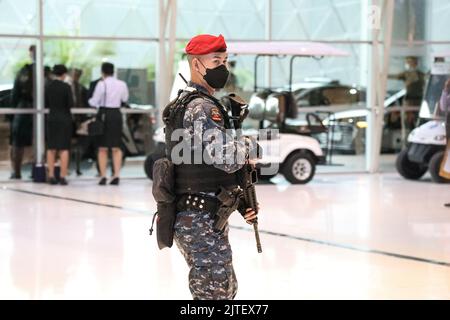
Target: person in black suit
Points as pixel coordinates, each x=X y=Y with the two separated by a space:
x=80 y=93
x=21 y=129
x=59 y=101
x=92 y=86
x=80 y=100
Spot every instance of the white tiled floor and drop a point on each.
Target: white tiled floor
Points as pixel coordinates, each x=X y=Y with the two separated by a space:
x=341 y=230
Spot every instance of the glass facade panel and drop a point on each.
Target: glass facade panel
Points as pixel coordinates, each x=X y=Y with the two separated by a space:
x=244 y=19
x=19 y=17
x=317 y=20
x=112 y=18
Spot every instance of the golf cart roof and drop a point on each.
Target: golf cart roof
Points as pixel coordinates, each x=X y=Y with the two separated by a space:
x=302 y=86
x=305 y=86
x=442 y=54
x=297 y=48
x=363 y=112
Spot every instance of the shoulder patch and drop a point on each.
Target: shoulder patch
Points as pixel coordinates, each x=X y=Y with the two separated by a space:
x=215 y=114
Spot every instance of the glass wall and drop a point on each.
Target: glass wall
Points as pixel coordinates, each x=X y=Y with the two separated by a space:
x=317 y=20
x=14 y=55
x=84 y=33
x=237 y=20
x=105 y=18
x=19 y=17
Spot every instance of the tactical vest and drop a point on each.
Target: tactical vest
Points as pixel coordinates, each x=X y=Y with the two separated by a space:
x=193 y=178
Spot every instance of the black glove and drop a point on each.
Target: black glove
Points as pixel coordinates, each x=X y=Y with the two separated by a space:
x=242 y=207
x=237 y=106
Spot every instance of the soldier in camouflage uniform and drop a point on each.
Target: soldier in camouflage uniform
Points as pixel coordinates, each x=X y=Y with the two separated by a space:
x=207 y=251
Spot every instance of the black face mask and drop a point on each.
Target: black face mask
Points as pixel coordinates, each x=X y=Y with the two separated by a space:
x=216 y=78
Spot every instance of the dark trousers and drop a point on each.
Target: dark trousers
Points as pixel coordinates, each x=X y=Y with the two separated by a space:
x=208 y=255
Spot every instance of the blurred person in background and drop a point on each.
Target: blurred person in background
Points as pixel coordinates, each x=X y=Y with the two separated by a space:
x=59 y=101
x=232 y=83
x=21 y=129
x=92 y=86
x=444 y=105
x=414 y=80
x=79 y=92
x=48 y=75
x=80 y=100
x=109 y=94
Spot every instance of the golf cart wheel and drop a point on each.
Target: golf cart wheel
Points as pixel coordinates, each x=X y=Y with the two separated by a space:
x=299 y=168
x=435 y=167
x=407 y=169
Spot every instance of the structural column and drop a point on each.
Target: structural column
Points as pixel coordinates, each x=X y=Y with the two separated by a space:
x=39 y=131
x=380 y=21
x=268 y=37
x=166 y=53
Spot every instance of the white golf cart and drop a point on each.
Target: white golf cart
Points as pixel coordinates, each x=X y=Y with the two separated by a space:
x=293 y=151
x=349 y=133
x=426 y=144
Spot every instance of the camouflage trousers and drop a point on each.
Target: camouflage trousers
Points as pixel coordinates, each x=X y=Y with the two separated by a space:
x=208 y=255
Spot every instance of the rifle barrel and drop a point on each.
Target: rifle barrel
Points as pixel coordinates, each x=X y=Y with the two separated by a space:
x=258 y=241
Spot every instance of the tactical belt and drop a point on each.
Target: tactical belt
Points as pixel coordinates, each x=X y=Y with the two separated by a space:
x=197 y=202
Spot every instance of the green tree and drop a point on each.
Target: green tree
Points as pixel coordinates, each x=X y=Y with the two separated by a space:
x=78 y=54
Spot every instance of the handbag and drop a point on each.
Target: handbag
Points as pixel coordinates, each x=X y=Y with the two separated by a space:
x=97 y=126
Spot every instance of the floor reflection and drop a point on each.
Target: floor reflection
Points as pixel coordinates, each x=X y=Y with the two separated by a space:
x=342 y=236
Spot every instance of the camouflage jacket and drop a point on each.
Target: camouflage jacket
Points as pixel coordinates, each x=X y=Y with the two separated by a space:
x=203 y=121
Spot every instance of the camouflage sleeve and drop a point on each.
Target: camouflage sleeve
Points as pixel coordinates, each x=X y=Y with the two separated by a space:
x=220 y=147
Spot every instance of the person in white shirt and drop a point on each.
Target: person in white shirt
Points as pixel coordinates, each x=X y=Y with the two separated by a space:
x=109 y=94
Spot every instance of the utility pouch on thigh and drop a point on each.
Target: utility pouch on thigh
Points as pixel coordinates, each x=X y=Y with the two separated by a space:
x=164 y=193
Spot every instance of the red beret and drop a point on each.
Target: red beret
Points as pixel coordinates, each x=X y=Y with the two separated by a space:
x=206 y=43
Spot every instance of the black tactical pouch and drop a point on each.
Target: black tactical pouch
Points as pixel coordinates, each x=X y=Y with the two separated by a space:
x=164 y=193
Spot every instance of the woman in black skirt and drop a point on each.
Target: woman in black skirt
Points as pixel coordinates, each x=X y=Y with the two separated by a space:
x=59 y=101
x=109 y=94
